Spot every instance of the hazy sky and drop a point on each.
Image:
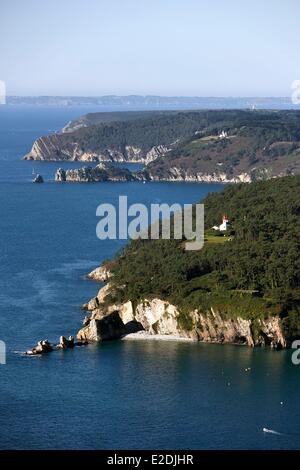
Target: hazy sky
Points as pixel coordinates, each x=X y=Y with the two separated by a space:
x=166 y=47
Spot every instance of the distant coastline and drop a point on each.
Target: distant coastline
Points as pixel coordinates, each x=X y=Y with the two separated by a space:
x=227 y=146
x=157 y=102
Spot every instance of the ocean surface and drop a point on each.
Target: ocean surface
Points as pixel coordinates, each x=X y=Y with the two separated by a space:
x=130 y=394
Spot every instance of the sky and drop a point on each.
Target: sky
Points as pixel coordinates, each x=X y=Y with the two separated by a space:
x=157 y=47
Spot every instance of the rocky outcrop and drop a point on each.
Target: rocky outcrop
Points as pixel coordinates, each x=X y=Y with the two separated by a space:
x=100 y=329
x=156 y=152
x=100 y=173
x=56 y=148
x=100 y=274
x=41 y=348
x=175 y=174
x=103 y=172
x=107 y=321
x=65 y=147
x=269 y=333
x=60 y=175
x=46 y=148
x=65 y=343
x=100 y=298
x=38 y=179
x=44 y=347
x=158 y=317
x=263 y=332
x=107 y=172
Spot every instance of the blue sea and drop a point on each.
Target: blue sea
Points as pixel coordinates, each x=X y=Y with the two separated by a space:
x=115 y=395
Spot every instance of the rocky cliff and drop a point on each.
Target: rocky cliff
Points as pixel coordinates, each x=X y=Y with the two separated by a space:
x=106 y=320
x=100 y=173
x=175 y=174
x=202 y=146
x=104 y=172
x=100 y=274
x=65 y=147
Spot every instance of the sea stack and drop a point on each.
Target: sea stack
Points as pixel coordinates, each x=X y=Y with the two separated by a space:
x=38 y=179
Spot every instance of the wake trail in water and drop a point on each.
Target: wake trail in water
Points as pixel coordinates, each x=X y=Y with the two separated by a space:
x=272 y=431
x=277 y=433
x=23 y=354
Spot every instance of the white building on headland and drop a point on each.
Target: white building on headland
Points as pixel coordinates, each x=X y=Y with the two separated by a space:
x=223 y=135
x=224 y=225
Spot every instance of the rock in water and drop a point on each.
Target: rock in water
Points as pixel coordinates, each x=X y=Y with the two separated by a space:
x=44 y=346
x=38 y=179
x=100 y=173
x=60 y=175
x=65 y=343
x=41 y=348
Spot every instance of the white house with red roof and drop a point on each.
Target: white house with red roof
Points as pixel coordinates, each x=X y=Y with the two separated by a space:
x=224 y=225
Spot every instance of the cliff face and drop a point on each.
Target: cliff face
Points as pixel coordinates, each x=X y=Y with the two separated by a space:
x=158 y=317
x=178 y=174
x=156 y=172
x=60 y=147
x=199 y=146
x=101 y=172
x=100 y=274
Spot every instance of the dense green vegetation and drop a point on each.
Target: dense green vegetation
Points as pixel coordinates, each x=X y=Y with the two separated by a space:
x=158 y=129
x=261 y=143
x=258 y=145
x=154 y=128
x=95 y=119
x=254 y=274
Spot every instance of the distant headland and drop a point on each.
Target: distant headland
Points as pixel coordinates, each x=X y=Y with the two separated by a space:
x=157 y=102
x=228 y=146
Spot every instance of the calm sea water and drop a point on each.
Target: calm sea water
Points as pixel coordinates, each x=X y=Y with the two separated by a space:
x=118 y=394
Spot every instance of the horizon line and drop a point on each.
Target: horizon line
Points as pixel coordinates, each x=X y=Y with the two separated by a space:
x=154 y=96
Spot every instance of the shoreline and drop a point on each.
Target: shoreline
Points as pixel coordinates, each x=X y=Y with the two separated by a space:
x=144 y=335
